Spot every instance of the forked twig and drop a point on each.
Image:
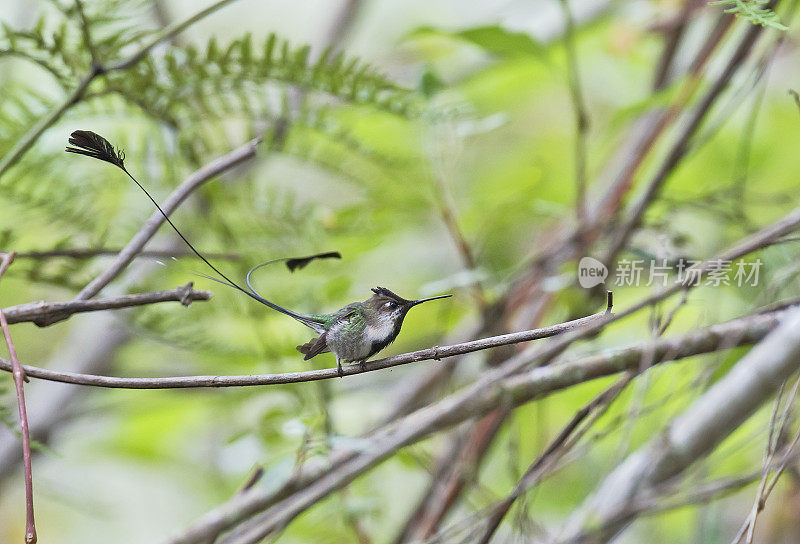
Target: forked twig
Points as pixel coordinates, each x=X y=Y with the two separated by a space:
x=777 y=427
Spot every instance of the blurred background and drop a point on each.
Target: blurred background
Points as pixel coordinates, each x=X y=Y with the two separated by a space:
x=443 y=160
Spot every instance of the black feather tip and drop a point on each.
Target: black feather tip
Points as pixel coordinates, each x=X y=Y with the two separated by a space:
x=93 y=145
x=299 y=262
x=383 y=291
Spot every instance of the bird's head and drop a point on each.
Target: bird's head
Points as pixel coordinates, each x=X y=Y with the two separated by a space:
x=391 y=305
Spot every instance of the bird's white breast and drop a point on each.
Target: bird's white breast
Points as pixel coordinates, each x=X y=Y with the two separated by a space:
x=358 y=349
x=380 y=330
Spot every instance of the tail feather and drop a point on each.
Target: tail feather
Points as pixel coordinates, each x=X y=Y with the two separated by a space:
x=91 y=144
x=314 y=347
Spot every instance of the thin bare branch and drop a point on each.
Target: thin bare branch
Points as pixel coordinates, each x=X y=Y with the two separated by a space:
x=651 y=126
x=682 y=142
x=777 y=428
x=88 y=253
x=581 y=113
x=19 y=378
x=561 y=444
x=46 y=313
x=675 y=30
x=447 y=211
x=665 y=497
x=435 y=353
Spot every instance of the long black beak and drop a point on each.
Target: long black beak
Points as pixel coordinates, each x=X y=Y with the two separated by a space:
x=420 y=301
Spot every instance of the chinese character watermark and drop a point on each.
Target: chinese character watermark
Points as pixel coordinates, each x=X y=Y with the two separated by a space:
x=661 y=273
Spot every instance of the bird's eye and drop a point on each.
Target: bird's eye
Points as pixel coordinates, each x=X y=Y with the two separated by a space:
x=391 y=305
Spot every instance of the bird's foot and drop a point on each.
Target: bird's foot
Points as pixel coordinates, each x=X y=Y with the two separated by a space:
x=339 y=369
x=363 y=365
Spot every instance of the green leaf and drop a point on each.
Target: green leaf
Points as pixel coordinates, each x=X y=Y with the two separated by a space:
x=430 y=83
x=499 y=41
x=493 y=39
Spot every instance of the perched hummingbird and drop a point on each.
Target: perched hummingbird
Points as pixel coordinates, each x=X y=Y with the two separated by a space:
x=353 y=334
x=361 y=329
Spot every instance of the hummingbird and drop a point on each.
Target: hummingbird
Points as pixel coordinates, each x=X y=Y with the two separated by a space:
x=353 y=333
x=361 y=329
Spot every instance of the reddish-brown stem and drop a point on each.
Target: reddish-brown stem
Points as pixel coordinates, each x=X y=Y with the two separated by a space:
x=19 y=378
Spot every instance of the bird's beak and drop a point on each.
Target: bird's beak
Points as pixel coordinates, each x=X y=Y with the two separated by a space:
x=420 y=301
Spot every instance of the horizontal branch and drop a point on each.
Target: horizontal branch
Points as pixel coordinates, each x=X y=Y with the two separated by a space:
x=88 y=253
x=435 y=353
x=45 y=313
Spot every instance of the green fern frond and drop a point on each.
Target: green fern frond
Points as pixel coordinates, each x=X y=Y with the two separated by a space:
x=56 y=40
x=754 y=11
x=196 y=92
x=42 y=185
x=325 y=123
x=44 y=47
x=20 y=108
x=191 y=83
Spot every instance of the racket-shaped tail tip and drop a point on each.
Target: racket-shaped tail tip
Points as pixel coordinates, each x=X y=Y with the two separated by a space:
x=91 y=144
